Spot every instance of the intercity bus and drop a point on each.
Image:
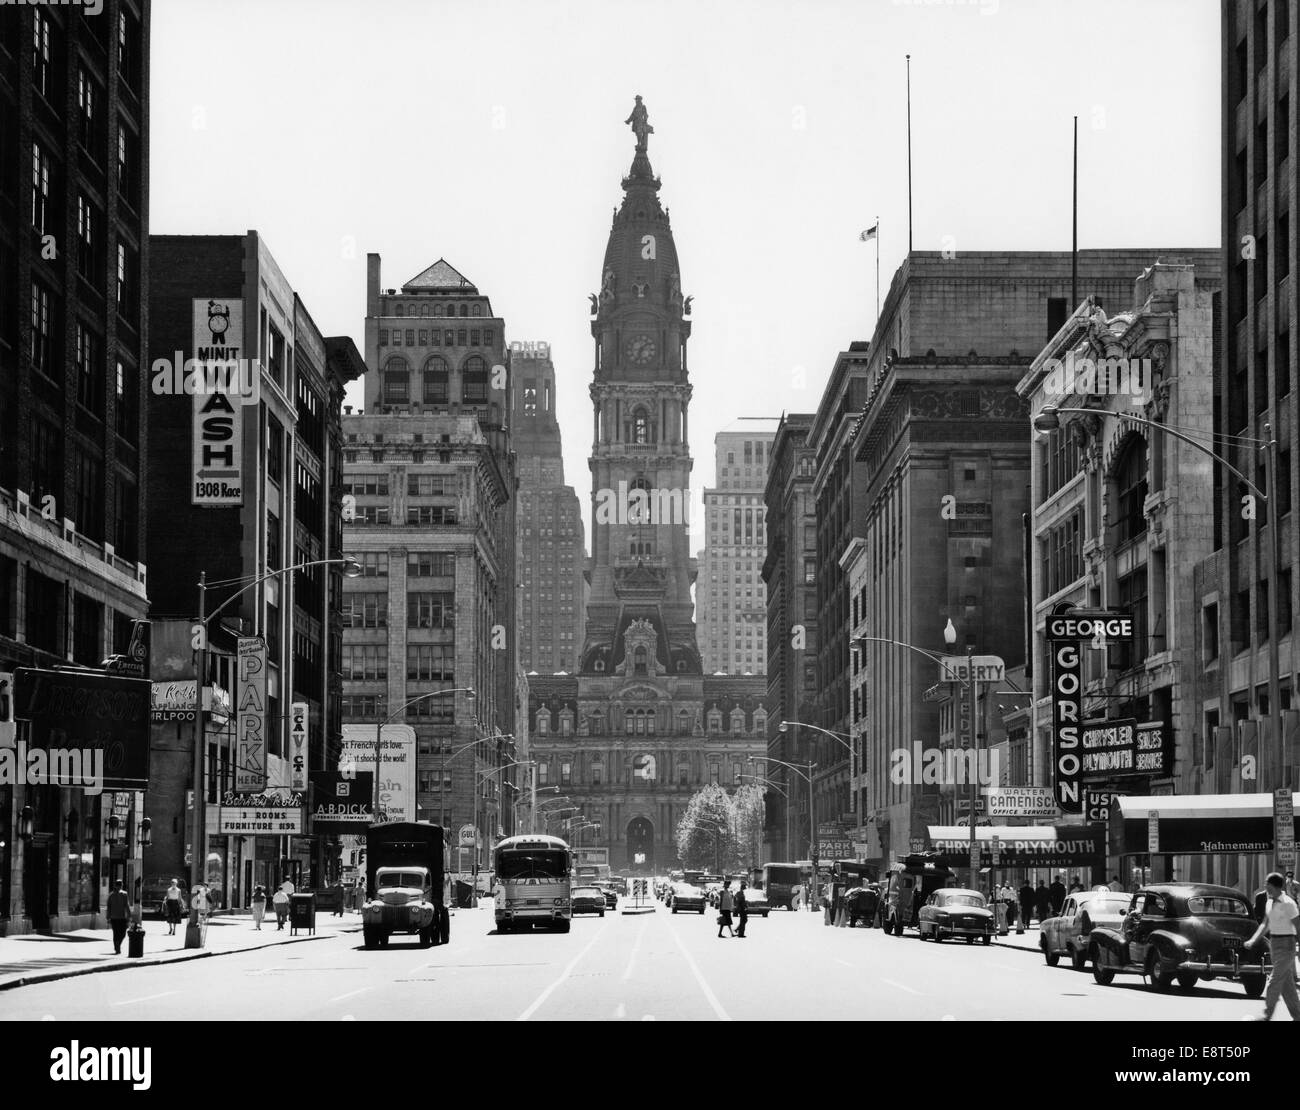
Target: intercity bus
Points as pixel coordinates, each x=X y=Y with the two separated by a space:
x=533 y=883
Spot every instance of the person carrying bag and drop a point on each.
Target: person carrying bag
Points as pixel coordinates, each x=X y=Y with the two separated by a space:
x=726 y=902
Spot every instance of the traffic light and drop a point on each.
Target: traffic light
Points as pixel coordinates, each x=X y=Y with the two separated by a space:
x=8 y=729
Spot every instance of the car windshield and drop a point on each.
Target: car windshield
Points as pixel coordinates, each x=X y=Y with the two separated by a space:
x=587 y=892
x=390 y=879
x=688 y=891
x=536 y=864
x=971 y=899
x=1102 y=904
x=1225 y=905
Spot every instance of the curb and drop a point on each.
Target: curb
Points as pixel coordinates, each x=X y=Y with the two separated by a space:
x=72 y=973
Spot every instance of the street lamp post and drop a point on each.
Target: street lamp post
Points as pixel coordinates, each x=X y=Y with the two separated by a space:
x=1049 y=420
x=812 y=820
x=482 y=778
x=812 y=840
x=198 y=846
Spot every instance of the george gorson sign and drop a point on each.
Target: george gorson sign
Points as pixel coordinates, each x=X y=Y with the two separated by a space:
x=1066 y=711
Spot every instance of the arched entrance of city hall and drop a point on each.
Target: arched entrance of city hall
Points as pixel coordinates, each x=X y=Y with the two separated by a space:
x=641 y=845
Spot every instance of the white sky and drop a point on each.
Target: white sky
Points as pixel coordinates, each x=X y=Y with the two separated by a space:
x=490 y=133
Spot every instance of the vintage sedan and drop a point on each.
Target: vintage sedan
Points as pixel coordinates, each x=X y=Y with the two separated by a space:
x=957 y=912
x=610 y=891
x=687 y=898
x=1185 y=932
x=1069 y=933
x=756 y=903
x=588 y=899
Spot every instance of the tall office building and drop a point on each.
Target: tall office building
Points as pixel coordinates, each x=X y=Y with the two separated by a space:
x=74 y=264
x=790 y=575
x=241 y=485
x=1247 y=606
x=551 y=549
x=730 y=596
x=431 y=473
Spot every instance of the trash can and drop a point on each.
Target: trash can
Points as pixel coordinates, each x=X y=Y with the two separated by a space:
x=135 y=941
x=302 y=913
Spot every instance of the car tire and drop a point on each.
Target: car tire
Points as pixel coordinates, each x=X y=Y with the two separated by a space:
x=938 y=937
x=1253 y=985
x=970 y=940
x=1101 y=973
x=1158 y=980
x=444 y=925
x=988 y=939
x=602 y=913
x=426 y=938
x=701 y=911
x=1052 y=958
x=1078 y=960
x=383 y=940
x=368 y=938
x=674 y=909
x=1187 y=980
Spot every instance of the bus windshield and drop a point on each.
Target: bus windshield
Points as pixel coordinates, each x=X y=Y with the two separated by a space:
x=786 y=873
x=532 y=864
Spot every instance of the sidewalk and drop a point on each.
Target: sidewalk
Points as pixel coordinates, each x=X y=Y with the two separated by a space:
x=38 y=958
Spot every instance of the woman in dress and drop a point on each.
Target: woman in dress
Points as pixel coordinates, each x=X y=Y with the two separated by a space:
x=174 y=904
x=259 y=906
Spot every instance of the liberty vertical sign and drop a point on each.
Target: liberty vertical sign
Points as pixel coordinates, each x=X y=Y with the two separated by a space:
x=217 y=475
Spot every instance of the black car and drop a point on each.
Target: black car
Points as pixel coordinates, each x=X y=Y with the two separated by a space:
x=1182 y=931
x=611 y=895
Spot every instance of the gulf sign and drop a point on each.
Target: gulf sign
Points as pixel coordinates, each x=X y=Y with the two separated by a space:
x=216 y=478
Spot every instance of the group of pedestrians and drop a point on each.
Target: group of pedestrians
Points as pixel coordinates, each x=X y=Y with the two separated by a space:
x=1040 y=902
x=729 y=903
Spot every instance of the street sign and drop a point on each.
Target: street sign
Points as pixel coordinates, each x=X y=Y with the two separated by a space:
x=1153 y=831
x=979 y=668
x=981 y=805
x=468 y=836
x=975 y=858
x=1284 y=827
x=917 y=844
x=995 y=850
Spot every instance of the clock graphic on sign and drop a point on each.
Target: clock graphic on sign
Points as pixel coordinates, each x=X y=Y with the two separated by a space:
x=641 y=349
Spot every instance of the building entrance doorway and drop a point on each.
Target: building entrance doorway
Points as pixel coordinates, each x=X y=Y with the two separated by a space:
x=641 y=845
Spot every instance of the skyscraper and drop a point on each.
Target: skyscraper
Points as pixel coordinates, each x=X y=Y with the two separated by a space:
x=551 y=549
x=730 y=597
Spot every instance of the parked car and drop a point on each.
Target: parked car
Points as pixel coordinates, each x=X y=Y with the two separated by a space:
x=587 y=899
x=1185 y=932
x=907 y=885
x=1070 y=932
x=687 y=898
x=957 y=912
x=756 y=903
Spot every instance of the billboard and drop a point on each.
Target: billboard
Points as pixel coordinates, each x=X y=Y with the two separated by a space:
x=341 y=803
x=90 y=712
x=218 y=463
x=1066 y=712
x=250 y=714
x=396 y=773
x=1020 y=801
x=298 y=746
x=1120 y=747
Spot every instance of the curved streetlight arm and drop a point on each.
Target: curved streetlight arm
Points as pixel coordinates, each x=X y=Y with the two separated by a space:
x=204 y=584
x=767 y=782
x=505 y=767
x=817 y=728
x=798 y=771
x=1053 y=410
x=431 y=694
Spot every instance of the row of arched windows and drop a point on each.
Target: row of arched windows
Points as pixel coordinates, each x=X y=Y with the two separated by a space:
x=437 y=380
x=439 y=309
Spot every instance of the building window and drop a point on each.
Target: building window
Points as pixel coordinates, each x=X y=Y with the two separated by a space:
x=47 y=464
x=543 y=774
x=87 y=631
x=365 y=662
x=42 y=348
x=374 y=564
x=431 y=662
x=431 y=610
x=89 y=506
x=127 y=404
x=42 y=58
x=431 y=564
x=1060 y=460
x=128 y=289
x=397 y=382
x=274 y=450
x=90 y=377
x=365 y=610
x=1210 y=632
x=1132 y=599
x=273 y=542
x=1131 y=489
x=566 y=774
x=474 y=381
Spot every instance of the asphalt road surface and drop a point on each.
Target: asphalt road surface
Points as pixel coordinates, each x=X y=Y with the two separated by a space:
x=656 y=967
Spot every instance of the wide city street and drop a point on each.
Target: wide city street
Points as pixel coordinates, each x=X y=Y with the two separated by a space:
x=656 y=966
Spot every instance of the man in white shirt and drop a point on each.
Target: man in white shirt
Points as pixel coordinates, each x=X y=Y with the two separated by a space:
x=1281 y=918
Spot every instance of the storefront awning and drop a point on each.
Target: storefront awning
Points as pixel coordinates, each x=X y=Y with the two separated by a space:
x=1189 y=824
x=1022 y=846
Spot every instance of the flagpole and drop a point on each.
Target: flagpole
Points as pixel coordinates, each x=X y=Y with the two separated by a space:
x=877 y=269
x=909 y=156
x=1074 y=239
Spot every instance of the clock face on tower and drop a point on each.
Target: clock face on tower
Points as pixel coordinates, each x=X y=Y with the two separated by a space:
x=640 y=349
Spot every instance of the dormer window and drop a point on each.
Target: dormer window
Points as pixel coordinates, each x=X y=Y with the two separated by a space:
x=639 y=665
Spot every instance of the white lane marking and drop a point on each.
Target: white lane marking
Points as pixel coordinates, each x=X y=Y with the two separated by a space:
x=699 y=978
x=1010 y=967
x=631 y=960
x=541 y=998
x=146 y=998
x=621 y=1012
x=341 y=997
x=900 y=986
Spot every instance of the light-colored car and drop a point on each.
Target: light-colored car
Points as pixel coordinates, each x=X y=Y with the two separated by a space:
x=587 y=899
x=756 y=903
x=402 y=903
x=1069 y=932
x=957 y=912
x=687 y=898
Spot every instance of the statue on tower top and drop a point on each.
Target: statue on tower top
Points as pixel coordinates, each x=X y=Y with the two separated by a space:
x=640 y=125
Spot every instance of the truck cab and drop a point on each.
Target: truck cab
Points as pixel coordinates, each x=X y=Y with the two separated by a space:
x=909 y=884
x=404 y=901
